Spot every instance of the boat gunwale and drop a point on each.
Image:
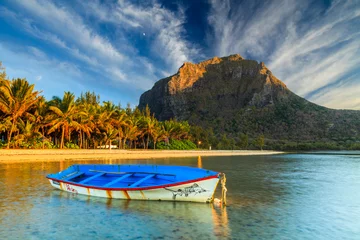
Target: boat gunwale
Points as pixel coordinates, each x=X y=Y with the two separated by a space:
x=136 y=188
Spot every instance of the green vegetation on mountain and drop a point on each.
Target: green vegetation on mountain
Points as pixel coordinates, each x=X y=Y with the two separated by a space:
x=240 y=104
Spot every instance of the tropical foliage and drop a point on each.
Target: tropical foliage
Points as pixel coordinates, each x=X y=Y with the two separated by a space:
x=27 y=120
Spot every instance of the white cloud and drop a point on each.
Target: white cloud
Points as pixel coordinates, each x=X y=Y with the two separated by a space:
x=38 y=78
x=29 y=25
x=103 y=64
x=61 y=26
x=306 y=48
x=40 y=55
x=70 y=26
x=56 y=76
x=163 y=27
x=236 y=30
x=343 y=95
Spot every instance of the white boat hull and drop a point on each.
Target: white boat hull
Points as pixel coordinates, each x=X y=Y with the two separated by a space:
x=194 y=191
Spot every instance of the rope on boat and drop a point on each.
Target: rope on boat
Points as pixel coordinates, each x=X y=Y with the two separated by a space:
x=223 y=189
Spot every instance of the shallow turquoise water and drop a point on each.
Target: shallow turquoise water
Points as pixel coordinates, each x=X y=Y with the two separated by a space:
x=294 y=196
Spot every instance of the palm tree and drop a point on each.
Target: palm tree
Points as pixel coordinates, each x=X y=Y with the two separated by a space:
x=158 y=134
x=131 y=130
x=16 y=98
x=183 y=129
x=27 y=132
x=3 y=73
x=5 y=124
x=89 y=102
x=169 y=130
x=87 y=124
x=120 y=122
x=102 y=121
x=24 y=114
x=109 y=135
x=149 y=128
x=40 y=115
x=64 y=115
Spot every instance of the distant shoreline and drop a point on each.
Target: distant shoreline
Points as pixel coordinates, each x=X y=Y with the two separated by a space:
x=49 y=155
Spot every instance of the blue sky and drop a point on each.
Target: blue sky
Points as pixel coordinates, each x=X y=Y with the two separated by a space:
x=119 y=49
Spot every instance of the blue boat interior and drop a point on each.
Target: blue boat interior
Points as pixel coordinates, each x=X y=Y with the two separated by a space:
x=129 y=176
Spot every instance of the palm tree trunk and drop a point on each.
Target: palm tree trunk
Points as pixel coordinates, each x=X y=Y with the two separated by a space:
x=119 y=144
x=155 y=140
x=80 y=139
x=8 y=140
x=147 y=142
x=10 y=133
x=62 y=137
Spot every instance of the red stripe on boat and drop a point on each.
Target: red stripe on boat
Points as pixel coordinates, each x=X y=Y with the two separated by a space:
x=140 y=188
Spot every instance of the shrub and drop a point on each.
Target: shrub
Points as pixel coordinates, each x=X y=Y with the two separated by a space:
x=176 y=145
x=71 y=145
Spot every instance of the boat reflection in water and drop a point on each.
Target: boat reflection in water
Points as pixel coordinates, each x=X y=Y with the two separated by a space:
x=156 y=219
x=199 y=162
x=220 y=221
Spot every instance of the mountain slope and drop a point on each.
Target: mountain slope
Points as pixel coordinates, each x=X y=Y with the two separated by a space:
x=232 y=95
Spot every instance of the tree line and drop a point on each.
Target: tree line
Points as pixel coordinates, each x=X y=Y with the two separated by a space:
x=28 y=120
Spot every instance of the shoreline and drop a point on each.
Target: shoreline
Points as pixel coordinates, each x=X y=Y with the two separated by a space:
x=50 y=155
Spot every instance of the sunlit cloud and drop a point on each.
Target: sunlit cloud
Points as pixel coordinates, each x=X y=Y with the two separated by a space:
x=302 y=45
x=164 y=28
x=344 y=94
x=116 y=59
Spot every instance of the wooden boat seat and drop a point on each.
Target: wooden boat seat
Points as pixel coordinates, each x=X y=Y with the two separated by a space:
x=156 y=173
x=73 y=175
x=142 y=180
x=117 y=180
x=91 y=178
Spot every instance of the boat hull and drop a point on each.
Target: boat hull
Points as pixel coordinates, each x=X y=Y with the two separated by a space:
x=201 y=190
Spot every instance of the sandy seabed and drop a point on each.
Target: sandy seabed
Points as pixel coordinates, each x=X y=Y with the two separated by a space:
x=29 y=155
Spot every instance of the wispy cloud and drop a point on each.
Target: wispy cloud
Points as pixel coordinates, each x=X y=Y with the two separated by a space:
x=117 y=58
x=36 y=65
x=303 y=45
x=72 y=27
x=343 y=94
x=125 y=46
x=38 y=78
x=163 y=28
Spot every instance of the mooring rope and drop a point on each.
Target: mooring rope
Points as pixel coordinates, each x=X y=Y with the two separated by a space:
x=223 y=189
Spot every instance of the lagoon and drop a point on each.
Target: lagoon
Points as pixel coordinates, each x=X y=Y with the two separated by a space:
x=290 y=196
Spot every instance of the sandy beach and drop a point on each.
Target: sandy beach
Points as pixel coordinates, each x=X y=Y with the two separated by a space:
x=29 y=155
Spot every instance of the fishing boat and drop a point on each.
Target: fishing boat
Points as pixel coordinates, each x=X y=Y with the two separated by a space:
x=141 y=182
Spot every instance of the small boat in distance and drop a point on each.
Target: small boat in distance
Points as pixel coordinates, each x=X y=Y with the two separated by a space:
x=141 y=182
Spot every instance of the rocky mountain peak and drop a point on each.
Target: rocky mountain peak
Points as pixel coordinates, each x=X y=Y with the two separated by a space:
x=215 y=83
x=235 y=96
x=234 y=57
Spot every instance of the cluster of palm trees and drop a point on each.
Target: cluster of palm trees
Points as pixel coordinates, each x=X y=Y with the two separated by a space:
x=28 y=120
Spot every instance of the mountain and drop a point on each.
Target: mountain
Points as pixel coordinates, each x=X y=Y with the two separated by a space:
x=233 y=96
